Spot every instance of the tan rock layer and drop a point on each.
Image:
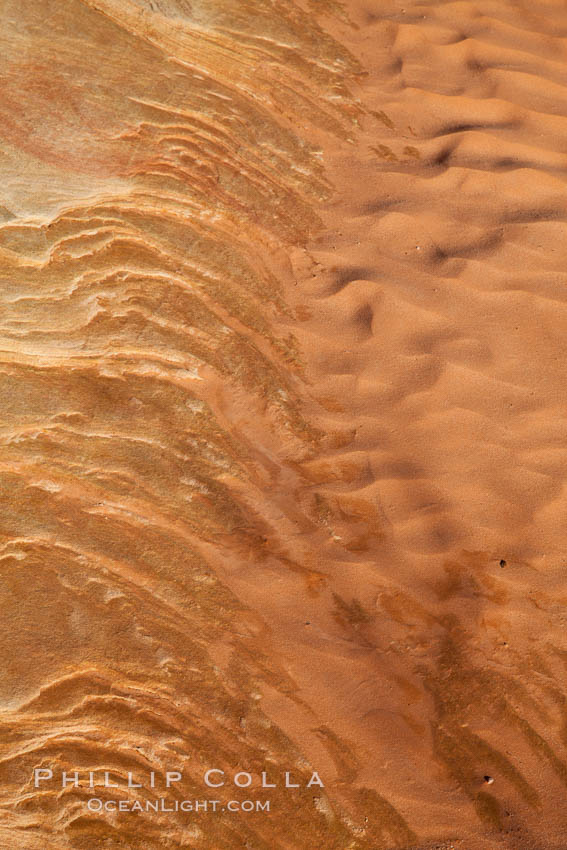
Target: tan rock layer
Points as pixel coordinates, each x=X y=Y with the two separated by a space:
x=152 y=178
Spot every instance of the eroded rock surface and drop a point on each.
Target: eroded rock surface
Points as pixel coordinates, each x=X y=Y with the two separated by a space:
x=282 y=422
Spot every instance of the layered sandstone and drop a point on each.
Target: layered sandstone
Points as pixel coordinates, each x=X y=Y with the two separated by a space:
x=283 y=422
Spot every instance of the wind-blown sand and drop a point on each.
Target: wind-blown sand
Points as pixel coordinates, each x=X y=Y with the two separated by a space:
x=283 y=422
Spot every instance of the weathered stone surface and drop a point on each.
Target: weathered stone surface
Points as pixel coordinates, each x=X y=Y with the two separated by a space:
x=281 y=399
